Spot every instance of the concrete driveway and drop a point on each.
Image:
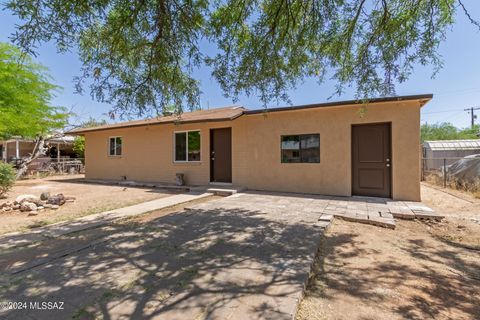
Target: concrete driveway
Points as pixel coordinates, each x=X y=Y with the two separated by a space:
x=246 y=256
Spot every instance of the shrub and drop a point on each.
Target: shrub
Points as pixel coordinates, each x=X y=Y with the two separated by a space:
x=79 y=146
x=7 y=178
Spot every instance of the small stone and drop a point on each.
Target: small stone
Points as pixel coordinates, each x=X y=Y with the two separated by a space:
x=16 y=207
x=69 y=200
x=44 y=196
x=40 y=208
x=54 y=207
x=6 y=209
x=32 y=214
x=47 y=205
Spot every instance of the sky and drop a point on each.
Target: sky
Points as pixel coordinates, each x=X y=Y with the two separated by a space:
x=455 y=88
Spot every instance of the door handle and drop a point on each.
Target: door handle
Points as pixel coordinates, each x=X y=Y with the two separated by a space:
x=388 y=165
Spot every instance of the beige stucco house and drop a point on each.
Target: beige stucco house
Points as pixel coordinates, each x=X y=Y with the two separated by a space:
x=339 y=148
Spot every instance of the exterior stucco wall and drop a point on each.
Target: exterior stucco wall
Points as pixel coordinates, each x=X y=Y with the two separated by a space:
x=147 y=154
x=332 y=176
x=148 y=151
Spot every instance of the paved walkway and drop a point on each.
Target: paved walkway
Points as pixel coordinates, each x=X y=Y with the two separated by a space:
x=16 y=239
x=377 y=211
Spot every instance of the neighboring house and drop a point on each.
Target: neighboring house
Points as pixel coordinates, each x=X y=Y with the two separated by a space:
x=18 y=148
x=333 y=148
x=438 y=152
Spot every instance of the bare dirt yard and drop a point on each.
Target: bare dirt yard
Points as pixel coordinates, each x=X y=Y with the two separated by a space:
x=420 y=270
x=90 y=198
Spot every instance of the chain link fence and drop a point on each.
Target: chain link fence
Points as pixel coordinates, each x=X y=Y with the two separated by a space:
x=440 y=171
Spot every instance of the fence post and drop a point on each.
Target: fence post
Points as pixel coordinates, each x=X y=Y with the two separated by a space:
x=444 y=172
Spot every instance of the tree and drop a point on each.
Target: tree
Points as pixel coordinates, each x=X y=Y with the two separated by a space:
x=25 y=101
x=79 y=142
x=447 y=131
x=142 y=54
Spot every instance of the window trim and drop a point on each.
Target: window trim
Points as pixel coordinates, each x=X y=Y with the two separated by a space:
x=109 y=145
x=300 y=150
x=186 y=138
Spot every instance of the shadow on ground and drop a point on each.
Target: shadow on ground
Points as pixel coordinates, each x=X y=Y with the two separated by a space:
x=408 y=276
x=190 y=265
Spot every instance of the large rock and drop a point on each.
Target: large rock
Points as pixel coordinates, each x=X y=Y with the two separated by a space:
x=44 y=196
x=28 y=206
x=37 y=202
x=25 y=197
x=58 y=199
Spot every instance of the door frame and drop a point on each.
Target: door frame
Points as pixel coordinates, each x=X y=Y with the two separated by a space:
x=212 y=165
x=390 y=151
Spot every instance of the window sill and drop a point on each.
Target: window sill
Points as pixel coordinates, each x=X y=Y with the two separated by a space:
x=114 y=157
x=187 y=163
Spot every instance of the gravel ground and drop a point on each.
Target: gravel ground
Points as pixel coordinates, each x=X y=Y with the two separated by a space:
x=91 y=198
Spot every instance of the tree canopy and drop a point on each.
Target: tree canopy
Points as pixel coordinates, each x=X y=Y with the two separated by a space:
x=447 y=131
x=25 y=97
x=141 y=55
x=79 y=142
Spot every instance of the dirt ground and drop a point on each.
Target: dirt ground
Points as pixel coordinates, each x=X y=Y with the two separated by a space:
x=420 y=270
x=453 y=203
x=90 y=198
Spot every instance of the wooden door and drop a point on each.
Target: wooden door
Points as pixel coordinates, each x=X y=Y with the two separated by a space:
x=371 y=160
x=221 y=155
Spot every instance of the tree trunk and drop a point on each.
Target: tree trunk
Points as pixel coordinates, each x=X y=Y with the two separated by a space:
x=38 y=150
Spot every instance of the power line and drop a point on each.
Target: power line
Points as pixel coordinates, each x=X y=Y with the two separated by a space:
x=472 y=114
x=442 y=111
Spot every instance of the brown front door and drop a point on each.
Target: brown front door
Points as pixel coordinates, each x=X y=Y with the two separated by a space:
x=371 y=160
x=221 y=155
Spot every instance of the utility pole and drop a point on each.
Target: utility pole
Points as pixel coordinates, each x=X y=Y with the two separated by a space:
x=472 y=114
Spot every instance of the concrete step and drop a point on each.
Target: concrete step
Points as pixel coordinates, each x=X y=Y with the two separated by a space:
x=225 y=191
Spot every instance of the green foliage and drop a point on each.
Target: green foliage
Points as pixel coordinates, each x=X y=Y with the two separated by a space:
x=25 y=96
x=142 y=55
x=447 y=131
x=79 y=146
x=7 y=177
x=79 y=142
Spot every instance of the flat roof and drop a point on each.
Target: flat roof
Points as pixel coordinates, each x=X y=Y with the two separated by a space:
x=230 y=113
x=422 y=97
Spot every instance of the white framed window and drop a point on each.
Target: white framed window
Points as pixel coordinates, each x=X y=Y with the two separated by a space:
x=186 y=146
x=115 y=146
